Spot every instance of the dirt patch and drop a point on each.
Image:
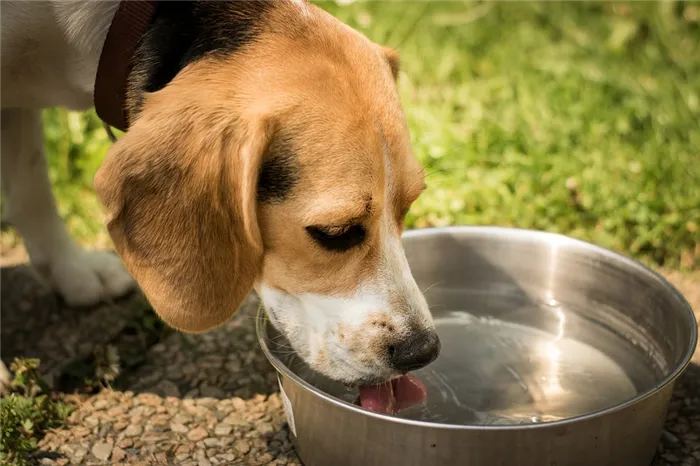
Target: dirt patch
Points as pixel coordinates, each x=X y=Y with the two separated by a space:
x=207 y=399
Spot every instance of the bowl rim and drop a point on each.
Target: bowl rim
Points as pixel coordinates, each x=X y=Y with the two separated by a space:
x=261 y=321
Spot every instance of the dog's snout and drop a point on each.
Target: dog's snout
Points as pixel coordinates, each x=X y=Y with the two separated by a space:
x=415 y=352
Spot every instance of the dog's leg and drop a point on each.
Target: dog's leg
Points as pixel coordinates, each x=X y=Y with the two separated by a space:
x=82 y=278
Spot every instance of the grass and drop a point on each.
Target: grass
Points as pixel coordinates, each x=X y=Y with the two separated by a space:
x=27 y=413
x=579 y=118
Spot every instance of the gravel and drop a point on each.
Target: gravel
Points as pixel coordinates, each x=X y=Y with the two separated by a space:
x=213 y=399
x=199 y=399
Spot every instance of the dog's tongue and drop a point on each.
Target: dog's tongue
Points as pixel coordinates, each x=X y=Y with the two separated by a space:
x=393 y=396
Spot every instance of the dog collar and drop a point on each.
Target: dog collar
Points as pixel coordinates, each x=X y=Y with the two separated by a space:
x=128 y=26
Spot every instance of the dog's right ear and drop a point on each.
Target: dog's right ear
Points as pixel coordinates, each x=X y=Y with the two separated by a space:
x=180 y=192
x=392 y=58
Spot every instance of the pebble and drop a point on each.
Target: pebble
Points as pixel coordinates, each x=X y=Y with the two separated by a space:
x=235 y=419
x=118 y=454
x=242 y=446
x=102 y=450
x=222 y=430
x=197 y=434
x=179 y=428
x=212 y=392
x=133 y=430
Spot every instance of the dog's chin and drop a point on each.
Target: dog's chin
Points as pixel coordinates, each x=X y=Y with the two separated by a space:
x=279 y=307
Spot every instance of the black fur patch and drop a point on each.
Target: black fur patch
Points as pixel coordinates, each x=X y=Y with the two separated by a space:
x=279 y=172
x=182 y=32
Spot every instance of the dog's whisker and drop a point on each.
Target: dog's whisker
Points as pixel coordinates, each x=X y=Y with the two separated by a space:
x=430 y=287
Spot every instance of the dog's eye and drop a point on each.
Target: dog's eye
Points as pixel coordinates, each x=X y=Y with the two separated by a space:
x=337 y=238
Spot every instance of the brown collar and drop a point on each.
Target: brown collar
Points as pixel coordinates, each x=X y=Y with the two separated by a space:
x=128 y=26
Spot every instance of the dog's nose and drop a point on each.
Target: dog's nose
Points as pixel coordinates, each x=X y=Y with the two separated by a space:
x=416 y=352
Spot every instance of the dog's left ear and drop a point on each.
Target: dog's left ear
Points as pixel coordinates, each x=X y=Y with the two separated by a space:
x=392 y=58
x=180 y=193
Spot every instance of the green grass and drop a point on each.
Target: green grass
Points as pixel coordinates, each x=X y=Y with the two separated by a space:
x=27 y=413
x=579 y=118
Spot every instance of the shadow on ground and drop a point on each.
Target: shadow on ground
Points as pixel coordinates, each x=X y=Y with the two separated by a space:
x=177 y=399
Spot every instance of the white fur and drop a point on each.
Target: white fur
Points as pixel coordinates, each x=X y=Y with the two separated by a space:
x=50 y=52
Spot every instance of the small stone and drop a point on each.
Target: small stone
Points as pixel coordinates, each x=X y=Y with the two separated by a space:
x=234 y=419
x=265 y=428
x=179 y=428
x=180 y=457
x=207 y=402
x=203 y=462
x=160 y=420
x=211 y=442
x=80 y=432
x=238 y=404
x=116 y=411
x=100 y=405
x=149 y=399
x=669 y=437
x=80 y=453
x=67 y=448
x=181 y=419
x=185 y=448
x=92 y=421
x=125 y=443
x=168 y=389
x=265 y=458
x=275 y=445
x=213 y=392
x=222 y=430
x=102 y=450
x=118 y=454
x=47 y=461
x=197 y=434
x=121 y=425
x=133 y=430
x=242 y=446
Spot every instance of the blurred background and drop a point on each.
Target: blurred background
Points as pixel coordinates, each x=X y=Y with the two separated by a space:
x=578 y=118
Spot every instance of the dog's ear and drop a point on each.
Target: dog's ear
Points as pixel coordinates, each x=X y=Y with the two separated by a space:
x=392 y=58
x=180 y=193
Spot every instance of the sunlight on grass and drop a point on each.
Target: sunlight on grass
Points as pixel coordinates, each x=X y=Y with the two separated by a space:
x=571 y=117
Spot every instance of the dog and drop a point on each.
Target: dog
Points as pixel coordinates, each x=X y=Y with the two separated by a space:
x=267 y=150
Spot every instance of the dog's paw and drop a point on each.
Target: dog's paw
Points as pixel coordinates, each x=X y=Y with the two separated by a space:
x=85 y=278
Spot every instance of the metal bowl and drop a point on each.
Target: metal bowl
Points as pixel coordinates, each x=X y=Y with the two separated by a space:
x=554 y=352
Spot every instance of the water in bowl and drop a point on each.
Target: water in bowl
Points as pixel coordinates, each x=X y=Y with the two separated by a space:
x=530 y=364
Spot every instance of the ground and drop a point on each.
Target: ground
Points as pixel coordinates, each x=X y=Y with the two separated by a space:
x=203 y=399
x=580 y=118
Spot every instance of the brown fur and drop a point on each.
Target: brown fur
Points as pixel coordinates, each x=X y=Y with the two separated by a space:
x=180 y=185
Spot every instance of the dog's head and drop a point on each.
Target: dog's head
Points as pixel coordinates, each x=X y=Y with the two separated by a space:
x=285 y=166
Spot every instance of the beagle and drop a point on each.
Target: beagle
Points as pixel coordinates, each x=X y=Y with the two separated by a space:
x=266 y=149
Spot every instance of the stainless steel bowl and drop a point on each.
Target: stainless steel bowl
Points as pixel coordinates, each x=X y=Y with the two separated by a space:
x=554 y=352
